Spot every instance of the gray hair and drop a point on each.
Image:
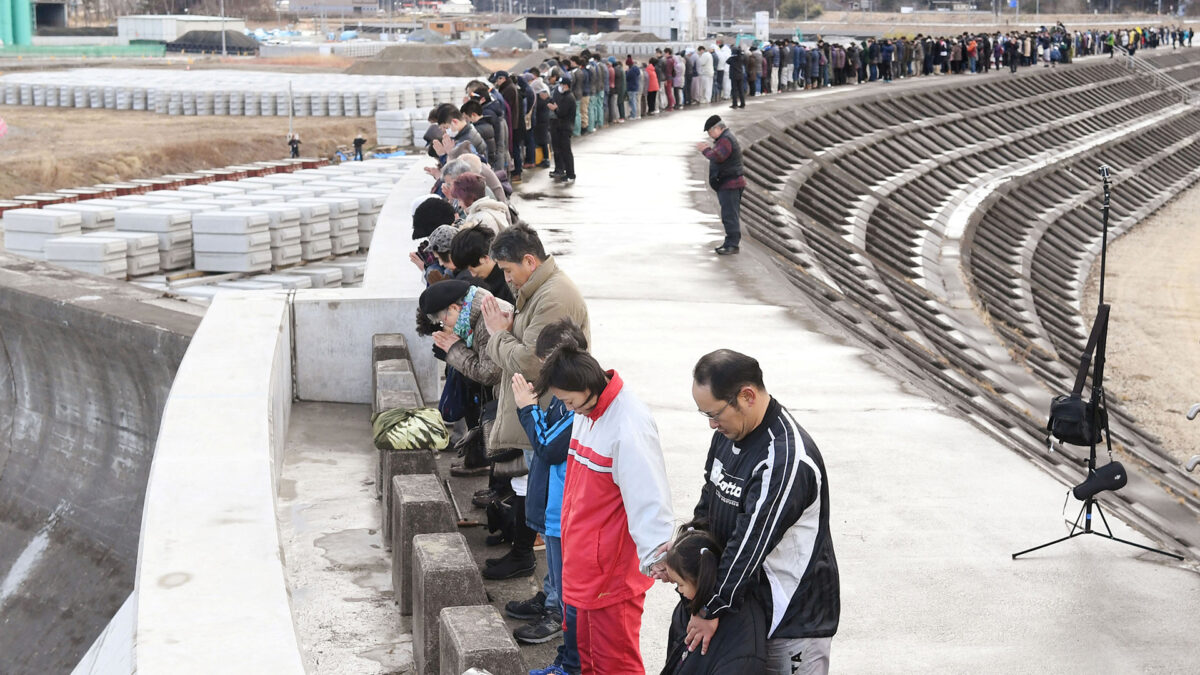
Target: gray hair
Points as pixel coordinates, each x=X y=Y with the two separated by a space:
x=455 y=168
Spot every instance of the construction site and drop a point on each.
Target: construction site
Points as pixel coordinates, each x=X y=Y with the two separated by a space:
x=206 y=298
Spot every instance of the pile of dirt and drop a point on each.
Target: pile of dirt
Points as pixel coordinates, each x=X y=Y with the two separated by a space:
x=210 y=41
x=628 y=36
x=426 y=36
x=422 y=61
x=533 y=60
x=509 y=38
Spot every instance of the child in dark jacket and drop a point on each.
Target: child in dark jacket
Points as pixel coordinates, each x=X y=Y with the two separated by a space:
x=549 y=433
x=740 y=643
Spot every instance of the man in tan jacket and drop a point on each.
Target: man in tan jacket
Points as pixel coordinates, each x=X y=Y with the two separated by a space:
x=544 y=295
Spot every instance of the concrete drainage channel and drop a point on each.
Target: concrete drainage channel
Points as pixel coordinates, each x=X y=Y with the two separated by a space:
x=953 y=230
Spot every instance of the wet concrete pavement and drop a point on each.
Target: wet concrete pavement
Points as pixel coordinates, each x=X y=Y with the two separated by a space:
x=926 y=509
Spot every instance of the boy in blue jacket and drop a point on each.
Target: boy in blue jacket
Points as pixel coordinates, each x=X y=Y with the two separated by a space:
x=549 y=432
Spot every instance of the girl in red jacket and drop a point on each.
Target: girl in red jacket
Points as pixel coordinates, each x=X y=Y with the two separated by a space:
x=616 y=513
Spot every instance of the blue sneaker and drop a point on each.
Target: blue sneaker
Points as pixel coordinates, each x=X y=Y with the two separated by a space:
x=553 y=669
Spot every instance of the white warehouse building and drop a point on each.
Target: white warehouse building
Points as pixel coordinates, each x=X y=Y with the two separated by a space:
x=168 y=27
x=676 y=20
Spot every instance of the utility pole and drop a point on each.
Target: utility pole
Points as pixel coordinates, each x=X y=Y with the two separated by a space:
x=223 y=28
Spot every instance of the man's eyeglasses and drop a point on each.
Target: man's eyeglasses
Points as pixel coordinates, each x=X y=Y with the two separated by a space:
x=715 y=415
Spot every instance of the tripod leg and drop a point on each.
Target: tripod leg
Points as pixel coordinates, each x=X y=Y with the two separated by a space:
x=1050 y=543
x=1105 y=521
x=1075 y=532
x=1144 y=548
x=1124 y=541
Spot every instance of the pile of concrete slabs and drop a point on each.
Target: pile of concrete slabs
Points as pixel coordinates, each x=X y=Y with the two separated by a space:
x=101 y=257
x=232 y=241
x=26 y=231
x=141 y=250
x=172 y=226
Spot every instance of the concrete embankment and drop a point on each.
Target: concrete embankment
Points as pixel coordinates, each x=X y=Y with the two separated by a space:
x=85 y=368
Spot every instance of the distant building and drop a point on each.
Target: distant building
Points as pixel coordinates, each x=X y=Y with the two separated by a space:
x=682 y=20
x=48 y=13
x=560 y=27
x=334 y=8
x=168 y=27
x=457 y=7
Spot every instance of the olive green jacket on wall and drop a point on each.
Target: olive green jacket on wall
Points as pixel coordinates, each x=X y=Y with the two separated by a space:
x=548 y=296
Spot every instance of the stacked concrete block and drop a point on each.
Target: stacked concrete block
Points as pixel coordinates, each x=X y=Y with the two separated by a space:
x=353 y=269
x=101 y=257
x=232 y=241
x=343 y=222
x=288 y=281
x=172 y=230
x=228 y=202
x=444 y=575
x=142 y=255
x=209 y=191
x=285 y=233
x=171 y=224
x=264 y=196
x=418 y=505
x=393 y=127
x=96 y=217
x=370 y=203
x=249 y=285
x=320 y=276
x=26 y=231
x=167 y=196
x=476 y=637
x=299 y=191
x=315 y=243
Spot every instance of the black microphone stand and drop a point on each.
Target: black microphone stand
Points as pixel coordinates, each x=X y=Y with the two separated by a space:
x=1100 y=334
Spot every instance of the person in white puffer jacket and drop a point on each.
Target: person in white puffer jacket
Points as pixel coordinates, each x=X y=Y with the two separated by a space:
x=616 y=513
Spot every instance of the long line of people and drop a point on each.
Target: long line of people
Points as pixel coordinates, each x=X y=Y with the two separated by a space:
x=517 y=122
x=573 y=459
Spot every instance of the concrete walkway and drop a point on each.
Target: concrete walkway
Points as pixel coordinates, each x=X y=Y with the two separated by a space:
x=926 y=509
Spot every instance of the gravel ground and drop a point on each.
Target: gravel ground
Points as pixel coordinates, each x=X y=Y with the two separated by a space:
x=1153 y=285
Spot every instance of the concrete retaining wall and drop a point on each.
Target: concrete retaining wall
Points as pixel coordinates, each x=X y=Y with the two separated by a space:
x=85 y=367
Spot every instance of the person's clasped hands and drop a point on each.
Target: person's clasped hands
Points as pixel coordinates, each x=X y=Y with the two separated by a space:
x=494 y=318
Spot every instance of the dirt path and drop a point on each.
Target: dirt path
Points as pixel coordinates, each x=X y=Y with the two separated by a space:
x=48 y=149
x=1153 y=285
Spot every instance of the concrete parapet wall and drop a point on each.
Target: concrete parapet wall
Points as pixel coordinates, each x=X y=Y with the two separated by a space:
x=211 y=584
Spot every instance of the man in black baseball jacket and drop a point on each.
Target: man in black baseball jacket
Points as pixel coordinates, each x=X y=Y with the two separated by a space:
x=766 y=499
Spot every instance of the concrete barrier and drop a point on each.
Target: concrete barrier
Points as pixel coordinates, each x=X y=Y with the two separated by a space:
x=477 y=637
x=420 y=507
x=85 y=368
x=444 y=575
x=388 y=346
x=395 y=386
x=211 y=584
